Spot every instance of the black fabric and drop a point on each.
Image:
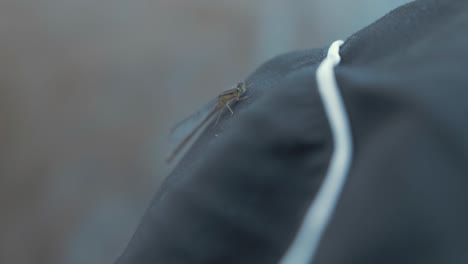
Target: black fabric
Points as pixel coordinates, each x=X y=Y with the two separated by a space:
x=240 y=193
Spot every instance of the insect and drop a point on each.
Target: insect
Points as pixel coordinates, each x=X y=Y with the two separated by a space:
x=186 y=128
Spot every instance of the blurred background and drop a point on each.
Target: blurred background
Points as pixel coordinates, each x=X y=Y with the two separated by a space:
x=90 y=88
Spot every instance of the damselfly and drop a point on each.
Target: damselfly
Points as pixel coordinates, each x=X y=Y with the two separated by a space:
x=189 y=127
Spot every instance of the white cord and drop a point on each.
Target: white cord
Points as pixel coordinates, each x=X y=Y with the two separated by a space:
x=305 y=244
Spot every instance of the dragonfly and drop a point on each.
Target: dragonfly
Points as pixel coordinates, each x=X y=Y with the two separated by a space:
x=186 y=130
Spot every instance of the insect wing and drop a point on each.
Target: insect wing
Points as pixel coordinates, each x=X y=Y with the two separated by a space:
x=182 y=129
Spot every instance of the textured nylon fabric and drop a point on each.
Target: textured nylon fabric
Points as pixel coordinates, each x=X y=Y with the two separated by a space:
x=240 y=196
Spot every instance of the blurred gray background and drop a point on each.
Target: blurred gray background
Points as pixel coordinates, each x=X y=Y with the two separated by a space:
x=90 y=88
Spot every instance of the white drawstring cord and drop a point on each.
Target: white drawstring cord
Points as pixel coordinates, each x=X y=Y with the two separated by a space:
x=305 y=244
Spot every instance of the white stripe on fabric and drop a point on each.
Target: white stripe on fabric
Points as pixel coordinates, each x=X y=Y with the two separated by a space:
x=305 y=244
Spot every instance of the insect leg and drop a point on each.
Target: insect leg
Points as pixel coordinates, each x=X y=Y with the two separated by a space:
x=228 y=107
